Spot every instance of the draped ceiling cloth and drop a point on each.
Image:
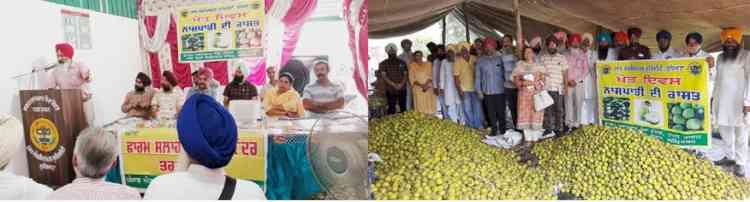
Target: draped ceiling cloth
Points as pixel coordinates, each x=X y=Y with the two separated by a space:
x=389 y=18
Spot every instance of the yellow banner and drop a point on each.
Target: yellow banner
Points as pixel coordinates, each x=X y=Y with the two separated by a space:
x=151 y=152
x=220 y=31
x=667 y=99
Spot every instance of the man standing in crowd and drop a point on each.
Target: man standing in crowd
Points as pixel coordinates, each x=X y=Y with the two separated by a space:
x=94 y=154
x=463 y=73
x=406 y=57
x=574 y=88
x=73 y=75
x=665 y=52
x=239 y=88
x=208 y=135
x=323 y=96
x=621 y=41
x=431 y=47
x=436 y=65
x=731 y=78
x=509 y=64
x=202 y=80
x=556 y=66
x=15 y=187
x=450 y=91
x=693 y=49
x=138 y=102
x=394 y=71
x=606 y=51
x=536 y=45
x=476 y=48
x=634 y=51
x=489 y=85
x=590 y=106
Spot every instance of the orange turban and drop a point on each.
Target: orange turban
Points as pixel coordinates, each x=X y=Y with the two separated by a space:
x=731 y=32
x=621 y=37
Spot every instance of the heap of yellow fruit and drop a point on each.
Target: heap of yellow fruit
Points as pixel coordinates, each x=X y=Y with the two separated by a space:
x=429 y=158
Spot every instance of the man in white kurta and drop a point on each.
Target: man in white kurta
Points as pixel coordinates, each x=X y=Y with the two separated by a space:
x=575 y=89
x=452 y=102
x=731 y=78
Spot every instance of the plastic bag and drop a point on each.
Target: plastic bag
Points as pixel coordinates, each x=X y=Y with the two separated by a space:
x=542 y=100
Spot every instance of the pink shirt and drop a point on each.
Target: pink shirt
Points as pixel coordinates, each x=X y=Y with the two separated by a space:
x=579 y=64
x=94 y=189
x=70 y=77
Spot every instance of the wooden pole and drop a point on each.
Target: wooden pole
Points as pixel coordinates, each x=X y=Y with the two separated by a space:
x=519 y=29
x=466 y=22
x=444 y=28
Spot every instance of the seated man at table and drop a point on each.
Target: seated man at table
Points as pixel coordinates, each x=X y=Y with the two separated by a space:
x=284 y=101
x=208 y=135
x=138 y=102
x=323 y=96
x=15 y=187
x=203 y=84
x=94 y=154
x=239 y=88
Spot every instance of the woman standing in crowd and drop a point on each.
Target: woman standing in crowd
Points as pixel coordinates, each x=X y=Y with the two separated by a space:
x=528 y=76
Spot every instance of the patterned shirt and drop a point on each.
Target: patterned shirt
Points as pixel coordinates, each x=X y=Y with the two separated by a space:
x=94 y=189
x=554 y=65
x=242 y=91
x=395 y=70
x=168 y=103
x=490 y=75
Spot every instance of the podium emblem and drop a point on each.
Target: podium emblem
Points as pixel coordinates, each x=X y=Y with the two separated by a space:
x=44 y=135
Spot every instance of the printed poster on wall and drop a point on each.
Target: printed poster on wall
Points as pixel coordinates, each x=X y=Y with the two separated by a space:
x=220 y=31
x=667 y=99
x=150 y=152
x=77 y=29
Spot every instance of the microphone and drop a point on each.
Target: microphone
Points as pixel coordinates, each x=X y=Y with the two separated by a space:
x=48 y=67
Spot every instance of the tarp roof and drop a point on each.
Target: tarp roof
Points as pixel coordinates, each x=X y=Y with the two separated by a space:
x=540 y=17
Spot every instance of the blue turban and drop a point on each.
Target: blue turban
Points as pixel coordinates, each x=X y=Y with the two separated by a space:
x=604 y=36
x=207 y=131
x=664 y=34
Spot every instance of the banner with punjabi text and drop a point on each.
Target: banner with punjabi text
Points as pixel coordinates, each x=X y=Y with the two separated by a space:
x=220 y=31
x=667 y=99
x=150 y=152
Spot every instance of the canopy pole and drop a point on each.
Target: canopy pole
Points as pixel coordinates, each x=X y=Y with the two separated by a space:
x=443 y=36
x=519 y=29
x=466 y=22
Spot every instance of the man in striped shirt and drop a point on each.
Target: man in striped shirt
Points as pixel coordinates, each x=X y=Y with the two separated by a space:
x=556 y=66
x=94 y=154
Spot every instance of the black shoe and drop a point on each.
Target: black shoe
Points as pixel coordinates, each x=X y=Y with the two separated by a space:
x=739 y=171
x=725 y=162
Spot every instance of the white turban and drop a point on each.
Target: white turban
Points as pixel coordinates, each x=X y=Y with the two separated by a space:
x=391 y=46
x=11 y=137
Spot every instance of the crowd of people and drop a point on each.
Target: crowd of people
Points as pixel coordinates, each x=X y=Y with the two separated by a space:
x=474 y=84
x=206 y=129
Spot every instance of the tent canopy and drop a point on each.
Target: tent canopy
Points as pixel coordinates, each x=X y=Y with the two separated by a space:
x=389 y=18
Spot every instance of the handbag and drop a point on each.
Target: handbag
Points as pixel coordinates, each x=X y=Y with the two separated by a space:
x=542 y=100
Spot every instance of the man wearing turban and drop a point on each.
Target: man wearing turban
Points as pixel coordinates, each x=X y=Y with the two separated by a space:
x=463 y=74
x=69 y=74
x=731 y=77
x=665 y=51
x=239 y=88
x=451 y=97
x=395 y=75
x=634 y=50
x=607 y=50
x=138 y=102
x=208 y=135
x=578 y=70
x=14 y=187
x=490 y=76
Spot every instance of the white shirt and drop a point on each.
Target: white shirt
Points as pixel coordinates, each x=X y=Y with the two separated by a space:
x=447 y=83
x=730 y=79
x=14 y=187
x=199 y=183
x=669 y=54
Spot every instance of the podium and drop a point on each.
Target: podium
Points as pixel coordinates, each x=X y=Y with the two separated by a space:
x=52 y=119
